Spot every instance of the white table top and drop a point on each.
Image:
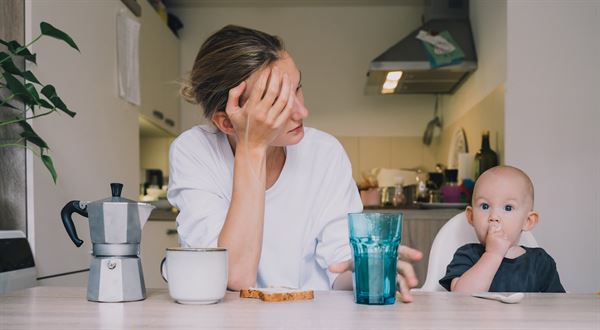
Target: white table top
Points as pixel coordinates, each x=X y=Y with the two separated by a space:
x=67 y=308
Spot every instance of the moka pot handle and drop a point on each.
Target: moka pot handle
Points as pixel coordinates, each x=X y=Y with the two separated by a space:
x=65 y=214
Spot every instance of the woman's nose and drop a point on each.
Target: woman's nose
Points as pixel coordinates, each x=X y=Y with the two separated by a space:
x=299 y=111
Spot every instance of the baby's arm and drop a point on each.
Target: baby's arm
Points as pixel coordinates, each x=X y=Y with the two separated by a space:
x=479 y=277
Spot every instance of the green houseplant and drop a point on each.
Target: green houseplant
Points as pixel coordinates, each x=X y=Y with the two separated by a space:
x=23 y=97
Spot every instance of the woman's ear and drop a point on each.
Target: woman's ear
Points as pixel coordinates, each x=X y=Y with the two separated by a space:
x=222 y=122
x=532 y=220
x=469 y=214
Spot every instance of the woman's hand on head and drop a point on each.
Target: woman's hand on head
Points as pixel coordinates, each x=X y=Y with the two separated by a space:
x=406 y=278
x=262 y=117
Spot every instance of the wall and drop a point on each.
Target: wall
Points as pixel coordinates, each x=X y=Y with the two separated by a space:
x=98 y=146
x=552 y=117
x=333 y=47
x=487 y=115
x=488 y=22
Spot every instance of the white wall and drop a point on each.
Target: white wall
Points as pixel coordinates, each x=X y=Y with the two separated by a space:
x=98 y=146
x=488 y=22
x=333 y=48
x=552 y=118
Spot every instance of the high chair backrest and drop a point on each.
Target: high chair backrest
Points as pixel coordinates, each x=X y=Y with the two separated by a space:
x=454 y=234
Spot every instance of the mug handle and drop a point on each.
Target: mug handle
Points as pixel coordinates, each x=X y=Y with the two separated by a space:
x=163 y=269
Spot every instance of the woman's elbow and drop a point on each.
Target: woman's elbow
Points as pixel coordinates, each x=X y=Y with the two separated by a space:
x=237 y=282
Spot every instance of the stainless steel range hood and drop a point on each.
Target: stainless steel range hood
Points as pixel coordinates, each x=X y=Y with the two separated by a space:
x=410 y=57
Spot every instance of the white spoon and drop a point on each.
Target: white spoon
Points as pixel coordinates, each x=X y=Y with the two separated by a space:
x=510 y=299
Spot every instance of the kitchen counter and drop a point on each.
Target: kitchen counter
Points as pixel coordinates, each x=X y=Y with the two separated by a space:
x=162 y=215
x=67 y=308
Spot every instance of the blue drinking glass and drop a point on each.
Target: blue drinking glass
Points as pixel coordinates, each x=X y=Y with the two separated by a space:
x=375 y=238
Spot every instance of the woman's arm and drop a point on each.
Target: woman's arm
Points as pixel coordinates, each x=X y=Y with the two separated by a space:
x=255 y=126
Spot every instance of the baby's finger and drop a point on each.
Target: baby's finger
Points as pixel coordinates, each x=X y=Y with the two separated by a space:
x=233 y=99
x=405 y=295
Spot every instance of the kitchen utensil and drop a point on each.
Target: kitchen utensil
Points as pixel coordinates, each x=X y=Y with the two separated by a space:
x=510 y=299
x=435 y=122
x=115 y=230
x=195 y=275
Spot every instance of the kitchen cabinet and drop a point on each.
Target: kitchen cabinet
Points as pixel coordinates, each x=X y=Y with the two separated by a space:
x=157 y=236
x=159 y=71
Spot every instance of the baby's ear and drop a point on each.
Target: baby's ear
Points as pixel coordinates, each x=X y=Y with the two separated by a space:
x=532 y=220
x=469 y=214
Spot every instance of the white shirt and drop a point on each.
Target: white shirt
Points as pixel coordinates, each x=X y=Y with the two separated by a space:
x=305 y=223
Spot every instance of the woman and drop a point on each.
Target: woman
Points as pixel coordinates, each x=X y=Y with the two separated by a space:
x=257 y=182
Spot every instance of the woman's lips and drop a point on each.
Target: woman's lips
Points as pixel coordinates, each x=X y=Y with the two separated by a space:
x=297 y=129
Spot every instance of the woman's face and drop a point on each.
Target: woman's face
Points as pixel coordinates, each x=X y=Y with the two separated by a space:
x=293 y=131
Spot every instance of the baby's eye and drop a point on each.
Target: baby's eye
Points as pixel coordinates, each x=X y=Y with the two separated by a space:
x=484 y=206
x=508 y=208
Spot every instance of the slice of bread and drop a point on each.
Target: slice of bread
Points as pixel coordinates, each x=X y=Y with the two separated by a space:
x=277 y=294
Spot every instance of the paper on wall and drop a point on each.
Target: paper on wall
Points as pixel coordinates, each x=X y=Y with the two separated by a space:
x=128 y=33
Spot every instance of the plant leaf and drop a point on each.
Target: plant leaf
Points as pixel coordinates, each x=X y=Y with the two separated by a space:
x=50 y=166
x=51 y=31
x=32 y=137
x=13 y=46
x=31 y=77
x=8 y=65
x=46 y=104
x=50 y=92
x=33 y=92
x=15 y=86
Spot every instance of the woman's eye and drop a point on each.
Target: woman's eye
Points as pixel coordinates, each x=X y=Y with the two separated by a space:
x=484 y=206
x=298 y=88
x=508 y=208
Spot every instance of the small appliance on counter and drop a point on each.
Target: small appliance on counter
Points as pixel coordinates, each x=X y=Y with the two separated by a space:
x=116 y=231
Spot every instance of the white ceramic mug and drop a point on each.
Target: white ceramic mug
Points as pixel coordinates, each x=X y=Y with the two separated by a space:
x=196 y=275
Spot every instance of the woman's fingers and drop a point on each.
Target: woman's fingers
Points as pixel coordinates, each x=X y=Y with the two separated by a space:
x=341 y=267
x=404 y=290
x=281 y=101
x=233 y=100
x=285 y=114
x=406 y=270
x=409 y=254
x=259 y=87
x=273 y=88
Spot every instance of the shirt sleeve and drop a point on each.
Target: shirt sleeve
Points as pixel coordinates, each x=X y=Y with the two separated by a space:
x=463 y=260
x=193 y=190
x=340 y=198
x=550 y=281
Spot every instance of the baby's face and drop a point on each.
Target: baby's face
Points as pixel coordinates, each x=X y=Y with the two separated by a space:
x=503 y=197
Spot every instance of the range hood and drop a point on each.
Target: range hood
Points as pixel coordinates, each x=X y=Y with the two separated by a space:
x=410 y=57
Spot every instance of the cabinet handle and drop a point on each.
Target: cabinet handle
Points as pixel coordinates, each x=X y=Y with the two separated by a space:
x=171 y=231
x=169 y=122
x=158 y=114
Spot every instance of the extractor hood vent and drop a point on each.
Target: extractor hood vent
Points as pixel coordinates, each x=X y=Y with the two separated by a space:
x=410 y=57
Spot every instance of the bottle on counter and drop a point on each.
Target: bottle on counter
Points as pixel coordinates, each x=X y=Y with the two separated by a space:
x=485 y=158
x=399 y=198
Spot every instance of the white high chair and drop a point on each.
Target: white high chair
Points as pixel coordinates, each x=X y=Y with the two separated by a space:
x=454 y=234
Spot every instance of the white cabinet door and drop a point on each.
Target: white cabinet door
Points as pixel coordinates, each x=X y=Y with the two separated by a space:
x=159 y=71
x=157 y=236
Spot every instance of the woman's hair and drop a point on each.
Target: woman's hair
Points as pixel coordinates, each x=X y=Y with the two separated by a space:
x=227 y=58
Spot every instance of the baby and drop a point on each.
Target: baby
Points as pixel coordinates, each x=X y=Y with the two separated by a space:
x=502 y=208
